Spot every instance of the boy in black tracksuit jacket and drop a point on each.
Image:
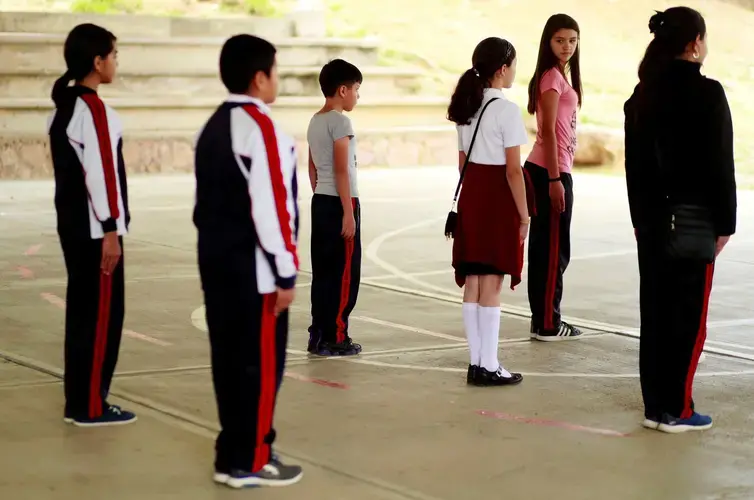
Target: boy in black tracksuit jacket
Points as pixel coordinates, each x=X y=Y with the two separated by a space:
x=247 y=219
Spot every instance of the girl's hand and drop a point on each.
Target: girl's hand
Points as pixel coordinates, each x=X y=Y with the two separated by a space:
x=557 y=196
x=523 y=229
x=111 y=252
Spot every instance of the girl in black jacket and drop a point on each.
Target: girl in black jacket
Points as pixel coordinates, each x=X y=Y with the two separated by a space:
x=682 y=197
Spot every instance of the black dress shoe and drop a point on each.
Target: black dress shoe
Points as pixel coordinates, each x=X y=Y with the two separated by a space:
x=484 y=378
x=471 y=374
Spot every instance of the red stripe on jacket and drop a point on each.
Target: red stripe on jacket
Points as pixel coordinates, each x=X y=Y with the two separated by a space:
x=276 y=176
x=99 y=115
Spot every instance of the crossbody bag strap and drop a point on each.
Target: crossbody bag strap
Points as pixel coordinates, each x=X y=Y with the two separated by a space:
x=468 y=155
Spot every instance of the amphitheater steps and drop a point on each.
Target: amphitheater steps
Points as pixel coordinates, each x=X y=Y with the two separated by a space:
x=167 y=87
x=294 y=81
x=149 y=116
x=184 y=55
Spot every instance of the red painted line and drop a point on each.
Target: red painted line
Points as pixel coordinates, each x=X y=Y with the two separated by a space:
x=25 y=272
x=318 y=381
x=146 y=338
x=32 y=250
x=551 y=423
x=53 y=299
x=60 y=303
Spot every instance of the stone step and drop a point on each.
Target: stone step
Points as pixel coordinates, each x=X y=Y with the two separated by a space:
x=43 y=52
x=152 y=116
x=29 y=157
x=294 y=81
x=125 y=25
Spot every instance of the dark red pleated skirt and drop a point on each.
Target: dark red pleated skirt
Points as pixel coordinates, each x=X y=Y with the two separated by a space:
x=486 y=237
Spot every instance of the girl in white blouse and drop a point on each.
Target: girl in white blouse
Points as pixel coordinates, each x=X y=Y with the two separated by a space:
x=493 y=212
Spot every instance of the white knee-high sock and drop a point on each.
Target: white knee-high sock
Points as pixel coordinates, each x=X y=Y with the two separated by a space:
x=471 y=325
x=489 y=329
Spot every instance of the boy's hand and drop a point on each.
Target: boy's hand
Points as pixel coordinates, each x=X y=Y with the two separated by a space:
x=111 y=252
x=349 y=226
x=284 y=299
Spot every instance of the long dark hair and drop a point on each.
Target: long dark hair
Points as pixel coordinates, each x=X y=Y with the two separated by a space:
x=547 y=59
x=489 y=56
x=673 y=30
x=84 y=43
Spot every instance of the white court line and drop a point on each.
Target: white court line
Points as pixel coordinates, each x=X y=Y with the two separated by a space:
x=407 y=328
x=183 y=208
x=621 y=330
x=534 y=374
x=449 y=270
x=730 y=322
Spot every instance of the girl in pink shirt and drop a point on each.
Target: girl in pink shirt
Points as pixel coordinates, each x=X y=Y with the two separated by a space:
x=555 y=101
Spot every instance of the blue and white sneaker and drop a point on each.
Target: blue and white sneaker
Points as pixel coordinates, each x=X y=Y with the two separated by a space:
x=274 y=473
x=113 y=415
x=676 y=425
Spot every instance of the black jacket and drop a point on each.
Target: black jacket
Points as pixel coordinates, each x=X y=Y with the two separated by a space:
x=685 y=121
x=86 y=145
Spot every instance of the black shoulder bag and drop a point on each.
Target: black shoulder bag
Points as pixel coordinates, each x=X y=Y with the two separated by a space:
x=689 y=230
x=450 y=223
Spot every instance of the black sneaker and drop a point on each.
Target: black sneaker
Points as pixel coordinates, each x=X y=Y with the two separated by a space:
x=486 y=378
x=274 y=473
x=113 y=415
x=563 y=332
x=471 y=374
x=345 y=348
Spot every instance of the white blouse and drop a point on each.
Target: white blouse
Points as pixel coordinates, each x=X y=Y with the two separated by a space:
x=502 y=127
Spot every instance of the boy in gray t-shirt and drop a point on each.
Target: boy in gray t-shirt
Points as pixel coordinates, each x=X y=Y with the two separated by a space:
x=336 y=212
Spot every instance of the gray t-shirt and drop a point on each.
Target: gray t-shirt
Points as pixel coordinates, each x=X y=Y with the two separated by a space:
x=324 y=130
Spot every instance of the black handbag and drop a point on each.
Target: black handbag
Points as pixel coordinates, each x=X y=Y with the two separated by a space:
x=452 y=220
x=689 y=230
x=690 y=233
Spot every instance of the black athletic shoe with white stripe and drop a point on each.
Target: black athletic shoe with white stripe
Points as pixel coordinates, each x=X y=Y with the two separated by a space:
x=275 y=473
x=564 y=331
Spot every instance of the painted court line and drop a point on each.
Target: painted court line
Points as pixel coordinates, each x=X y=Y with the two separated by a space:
x=425 y=368
x=32 y=250
x=60 y=304
x=183 y=420
x=25 y=272
x=317 y=381
x=202 y=368
x=551 y=423
x=407 y=328
x=620 y=330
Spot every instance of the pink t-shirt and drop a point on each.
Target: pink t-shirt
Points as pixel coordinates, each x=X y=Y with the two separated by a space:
x=565 y=124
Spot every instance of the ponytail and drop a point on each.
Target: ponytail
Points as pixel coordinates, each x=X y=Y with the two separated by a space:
x=467 y=98
x=489 y=56
x=83 y=45
x=673 y=30
x=60 y=85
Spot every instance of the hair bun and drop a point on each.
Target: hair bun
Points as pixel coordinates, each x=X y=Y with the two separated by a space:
x=656 y=22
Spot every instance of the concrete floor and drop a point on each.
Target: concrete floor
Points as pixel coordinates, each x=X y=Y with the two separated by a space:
x=399 y=422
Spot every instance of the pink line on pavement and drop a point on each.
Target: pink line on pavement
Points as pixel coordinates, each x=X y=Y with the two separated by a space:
x=318 y=381
x=146 y=338
x=551 y=423
x=60 y=303
x=54 y=300
x=32 y=250
x=25 y=272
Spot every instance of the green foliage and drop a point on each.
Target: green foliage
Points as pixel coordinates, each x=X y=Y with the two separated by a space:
x=265 y=8
x=107 y=6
